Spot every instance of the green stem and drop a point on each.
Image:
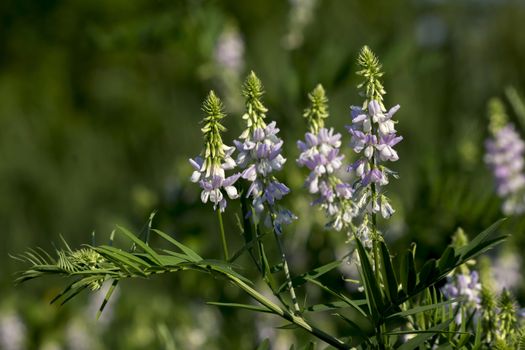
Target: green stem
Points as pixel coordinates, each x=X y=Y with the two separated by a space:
x=375 y=236
x=223 y=236
x=287 y=274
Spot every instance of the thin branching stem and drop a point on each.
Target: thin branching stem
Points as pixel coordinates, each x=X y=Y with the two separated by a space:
x=287 y=275
x=295 y=319
x=223 y=236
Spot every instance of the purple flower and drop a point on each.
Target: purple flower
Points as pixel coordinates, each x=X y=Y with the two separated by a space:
x=385 y=147
x=320 y=155
x=505 y=158
x=211 y=189
x=260 y=157
x=374 y=176
x=213 y=180
x=374 y=136
x=464 y=285
x=260 y=154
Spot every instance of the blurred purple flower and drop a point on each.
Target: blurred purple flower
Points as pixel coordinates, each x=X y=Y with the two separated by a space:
x=467 y=286
x=229 y=50
x=504 y=157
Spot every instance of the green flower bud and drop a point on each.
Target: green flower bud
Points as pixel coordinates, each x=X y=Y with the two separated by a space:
x=318 y=110
x=372 y=87
x=497 y=115
x=255 y=111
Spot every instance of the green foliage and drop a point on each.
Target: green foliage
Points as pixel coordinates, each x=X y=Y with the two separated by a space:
x=385 y=300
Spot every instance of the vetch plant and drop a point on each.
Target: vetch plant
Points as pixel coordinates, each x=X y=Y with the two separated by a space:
x=402 y=306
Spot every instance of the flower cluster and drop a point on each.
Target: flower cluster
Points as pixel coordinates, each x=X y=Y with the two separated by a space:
x=260 y=148
x=504 y=156
x=467 y=286
x=373 y=135
x=209 y=169
x=320 y=154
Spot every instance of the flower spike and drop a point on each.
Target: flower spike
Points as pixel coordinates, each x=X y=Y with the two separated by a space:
x=320 y=154
x=209 y=169
x=374 y=137
x=260 y=156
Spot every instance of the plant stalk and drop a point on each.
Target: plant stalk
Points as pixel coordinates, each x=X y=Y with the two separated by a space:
x=223 y=236
x=297 y=310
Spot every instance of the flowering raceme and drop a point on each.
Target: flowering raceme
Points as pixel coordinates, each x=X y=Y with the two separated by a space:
x=210 y=169
x=373 y=135
x=467 y=286
x=320 y=154
x=505 y=150
x=260 y=148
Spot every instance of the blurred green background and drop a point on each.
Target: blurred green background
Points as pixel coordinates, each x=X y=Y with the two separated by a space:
x=99 y=112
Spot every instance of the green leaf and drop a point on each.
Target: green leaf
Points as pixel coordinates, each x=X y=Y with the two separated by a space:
x=241 y=306
x=428 y=273
x=344 y=298
x=186 y=250
x=422 y=337
x=288 y=326
x=267 y=273
x=122 y=258
x=468 y=250
x=424 y=308
x=353 y=329
x=408 y=273
x=333 y=305
x=387 y=270
x=483 y=247
x=371 y=285
x=222 y=267
x=171 y=260
x=265 y=345
x=63 y=292
x=107 y=297
x=181 y=256
x=154 y=256
x=448 y=259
